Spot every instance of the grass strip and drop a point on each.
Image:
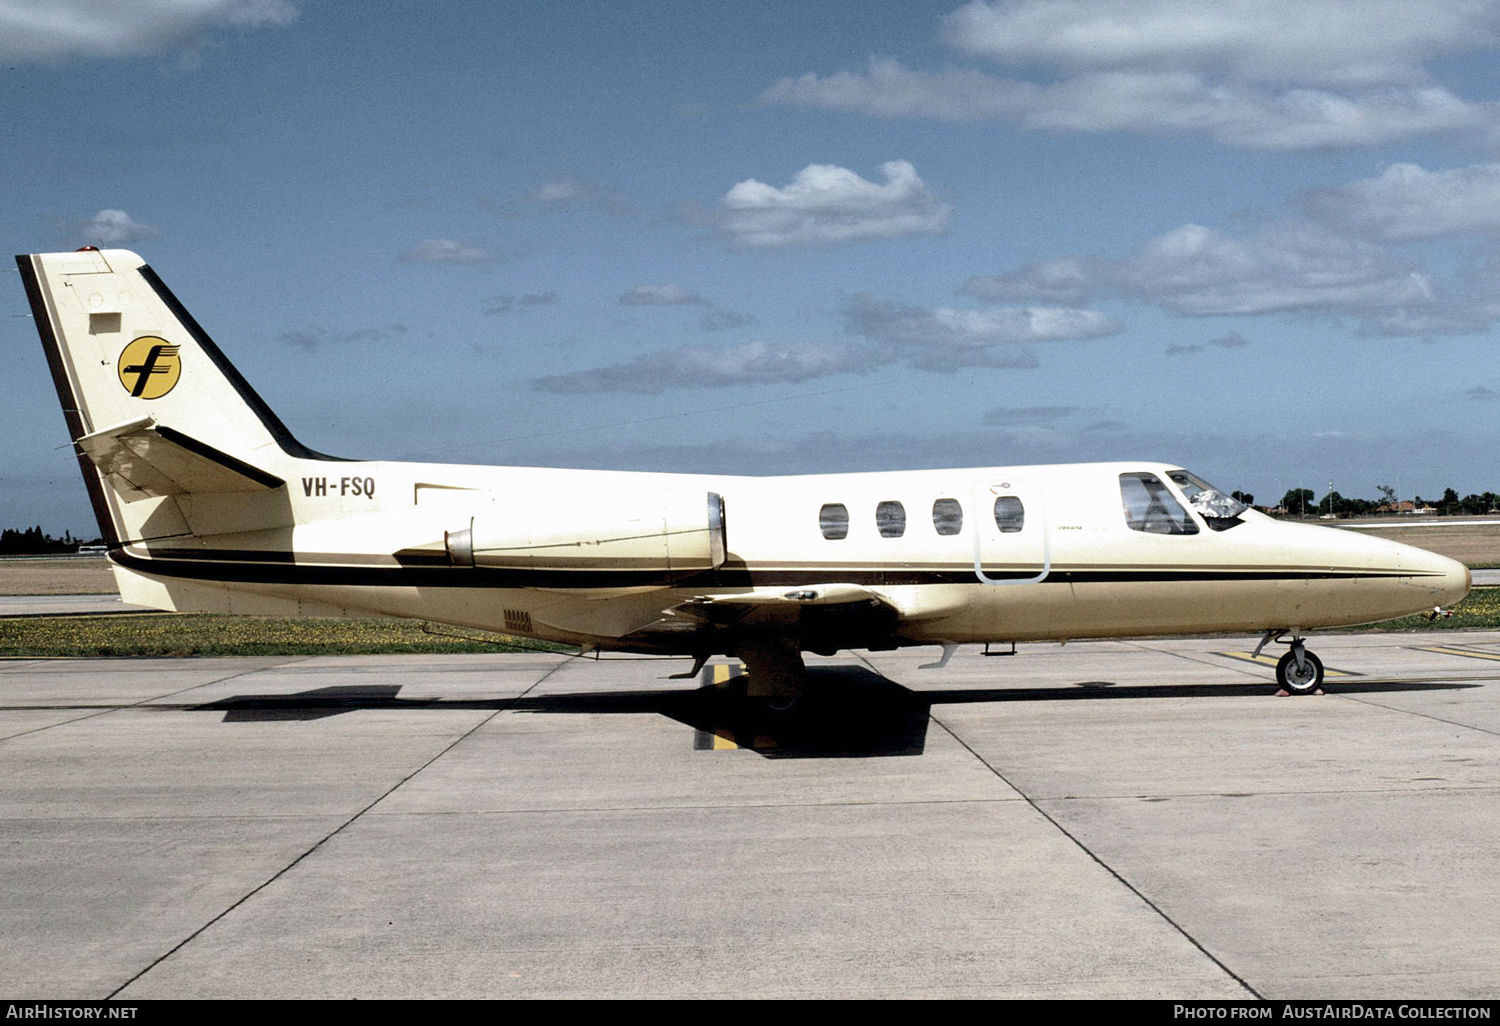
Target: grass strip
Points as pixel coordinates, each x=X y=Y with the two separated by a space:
x=187 y=634
x=1480 y=610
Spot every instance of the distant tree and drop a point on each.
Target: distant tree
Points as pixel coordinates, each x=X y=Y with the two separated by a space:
x=32 y=541
x=1245 y=497
x=1333 y=503
x=1387 y=494
x=1450 y=505
x=1298 y=501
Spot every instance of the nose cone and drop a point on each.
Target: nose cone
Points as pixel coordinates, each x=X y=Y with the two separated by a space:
x=1368 y=578
x=1446 y=580
x=1457 y=581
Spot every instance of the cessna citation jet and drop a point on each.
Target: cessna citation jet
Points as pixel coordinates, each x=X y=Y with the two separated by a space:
x=208 y=503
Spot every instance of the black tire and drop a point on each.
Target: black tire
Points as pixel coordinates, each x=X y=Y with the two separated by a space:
x=1304 y=683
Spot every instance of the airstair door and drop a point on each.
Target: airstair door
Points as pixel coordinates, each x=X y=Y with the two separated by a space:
x=1010 y=532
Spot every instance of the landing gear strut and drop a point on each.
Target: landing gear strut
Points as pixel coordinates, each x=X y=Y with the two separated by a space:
x=774 y=667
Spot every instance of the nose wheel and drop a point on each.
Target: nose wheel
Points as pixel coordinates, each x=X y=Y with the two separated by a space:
x=1299 y=671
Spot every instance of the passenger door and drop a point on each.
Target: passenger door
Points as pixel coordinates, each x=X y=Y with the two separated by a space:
x=1010 y=532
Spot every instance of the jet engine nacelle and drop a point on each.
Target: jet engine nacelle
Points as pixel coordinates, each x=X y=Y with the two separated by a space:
x=679 y=532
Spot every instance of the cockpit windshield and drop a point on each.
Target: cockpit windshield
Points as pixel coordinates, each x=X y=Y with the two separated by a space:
x=1220 y=511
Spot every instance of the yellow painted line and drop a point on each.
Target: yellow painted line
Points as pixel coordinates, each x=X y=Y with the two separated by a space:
x=1271 y=661
x=719 y=674
x=1467 y=653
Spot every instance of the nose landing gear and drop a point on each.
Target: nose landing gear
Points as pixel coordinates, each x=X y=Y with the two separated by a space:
x=1299 y=672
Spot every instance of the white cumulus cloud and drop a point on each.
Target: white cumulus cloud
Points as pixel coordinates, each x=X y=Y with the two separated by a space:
x=56 y=29
x=1406 y=202
x=1332 y=42
x=945 y=339
x=114 y=228
x=568 y=192
x=446 y=251
x=704 y=366
x=660 y=295
x=1269 y=74
x=889 y=89
x=826 y=205
x=1285 y=266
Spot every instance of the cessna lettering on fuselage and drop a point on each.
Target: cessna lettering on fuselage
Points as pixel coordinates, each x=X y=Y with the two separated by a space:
x=209 y=503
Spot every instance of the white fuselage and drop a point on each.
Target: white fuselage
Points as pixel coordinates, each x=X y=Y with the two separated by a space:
x=208 y=502
x=1073 y=569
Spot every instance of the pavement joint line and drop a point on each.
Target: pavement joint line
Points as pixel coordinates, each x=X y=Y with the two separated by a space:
x=1086 y=850
x=1194 y=658
x=1269 y=660
x=1457 y=650
x=1188 y=795
x=330 y=836
x=1451 y=678
x=527 y=812
x=718 y=807
x=105 y=711
x=1363 y=699
x=1020 y=797
x=1102 y=864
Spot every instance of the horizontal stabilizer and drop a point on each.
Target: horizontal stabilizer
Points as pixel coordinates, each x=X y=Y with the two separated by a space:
x=144 y=460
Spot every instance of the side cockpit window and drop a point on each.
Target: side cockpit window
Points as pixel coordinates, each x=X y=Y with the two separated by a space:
x=1151 y=507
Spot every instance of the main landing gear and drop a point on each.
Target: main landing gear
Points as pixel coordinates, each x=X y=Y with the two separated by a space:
x=1299 y=672
x=775 y=670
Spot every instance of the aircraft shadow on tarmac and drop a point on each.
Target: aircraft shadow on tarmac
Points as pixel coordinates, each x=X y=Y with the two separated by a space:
x=844 y=711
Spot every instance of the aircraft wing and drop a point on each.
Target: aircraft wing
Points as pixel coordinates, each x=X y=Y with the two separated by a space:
x=813 y=595
x=144 y=459
x=772 y=604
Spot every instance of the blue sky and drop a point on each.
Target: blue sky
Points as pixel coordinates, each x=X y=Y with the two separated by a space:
x=1254 y=238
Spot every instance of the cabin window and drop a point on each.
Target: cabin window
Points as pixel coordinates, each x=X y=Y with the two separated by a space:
x=890 y=519
x=1150 y=507
x=947 y=516
x=1010 y=514
x=833 y=520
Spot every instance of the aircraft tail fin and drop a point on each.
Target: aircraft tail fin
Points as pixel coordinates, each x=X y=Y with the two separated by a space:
x=171 y=438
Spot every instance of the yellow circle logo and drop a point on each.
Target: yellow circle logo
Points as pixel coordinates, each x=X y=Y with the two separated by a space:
x=149 y=367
